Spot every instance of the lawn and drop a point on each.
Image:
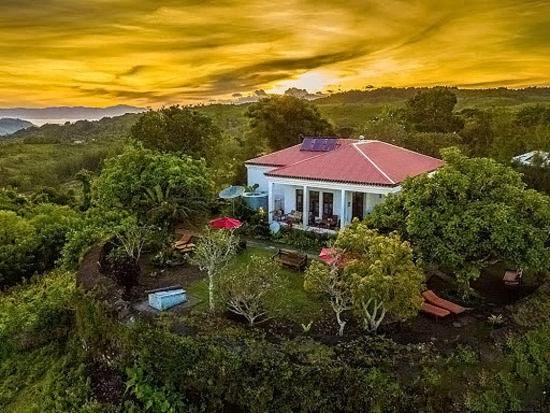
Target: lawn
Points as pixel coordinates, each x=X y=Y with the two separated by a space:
x=294 y=303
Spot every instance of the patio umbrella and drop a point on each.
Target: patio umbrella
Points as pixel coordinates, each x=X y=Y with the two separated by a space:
x=225 y=223
x=328 y=255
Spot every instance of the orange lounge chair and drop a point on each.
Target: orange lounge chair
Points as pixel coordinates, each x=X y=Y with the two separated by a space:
x=434 y=310
x=432 y=298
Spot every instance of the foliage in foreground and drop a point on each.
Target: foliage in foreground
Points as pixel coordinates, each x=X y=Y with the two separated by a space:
x=31 y=240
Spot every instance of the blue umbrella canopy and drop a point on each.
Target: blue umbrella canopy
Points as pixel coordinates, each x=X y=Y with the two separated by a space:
x=231 y=192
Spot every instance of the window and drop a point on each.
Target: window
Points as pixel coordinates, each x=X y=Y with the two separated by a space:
x=314 y=203
x=300 y=200
x=328 y=204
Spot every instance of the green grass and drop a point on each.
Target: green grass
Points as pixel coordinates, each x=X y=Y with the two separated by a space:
x=292 y=303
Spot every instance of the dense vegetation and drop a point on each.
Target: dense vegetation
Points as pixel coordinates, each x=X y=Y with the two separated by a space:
x=88 y=210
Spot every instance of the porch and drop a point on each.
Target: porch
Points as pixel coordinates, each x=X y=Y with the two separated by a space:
x=327 y=206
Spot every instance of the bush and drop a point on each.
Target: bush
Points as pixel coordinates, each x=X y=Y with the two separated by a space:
x=222 y=373
x=303 y=240
x=18 y=244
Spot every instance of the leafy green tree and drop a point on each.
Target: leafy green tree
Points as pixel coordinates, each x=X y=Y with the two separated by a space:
x=85 y=178
x=159 y=188
x=471 y=212
x=18 y=243
x=432 y=111
x=52 y=224
x=386 y=283
x=334 y=283
x=478 y=133
x=282 y=120
x=177 y=129
x=246 y=290
x=533 y=116
x=10 y=200
x=213 y=251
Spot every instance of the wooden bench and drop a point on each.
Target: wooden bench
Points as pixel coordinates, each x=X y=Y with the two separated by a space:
x=291 y=259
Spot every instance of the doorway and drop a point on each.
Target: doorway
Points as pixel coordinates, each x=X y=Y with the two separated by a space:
x=357 y=205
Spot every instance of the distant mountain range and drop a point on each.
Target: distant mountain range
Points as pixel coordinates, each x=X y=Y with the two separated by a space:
x=68 y=112
x=11 y=125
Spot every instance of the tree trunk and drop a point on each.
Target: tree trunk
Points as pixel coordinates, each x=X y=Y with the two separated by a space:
x=341 y=324
x=211 y=292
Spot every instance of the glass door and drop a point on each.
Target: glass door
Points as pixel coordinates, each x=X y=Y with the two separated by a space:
x=313 y=206
x=357 y=205
x=328 y=204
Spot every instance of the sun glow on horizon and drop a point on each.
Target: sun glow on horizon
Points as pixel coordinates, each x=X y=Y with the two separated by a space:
x=150 y=53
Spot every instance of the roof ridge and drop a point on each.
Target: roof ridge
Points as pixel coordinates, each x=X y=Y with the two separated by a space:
x=318 y=154
x=356 y=146
x=399 y=147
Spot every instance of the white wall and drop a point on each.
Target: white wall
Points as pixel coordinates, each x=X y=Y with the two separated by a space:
x=372 y=201
x=255 y=175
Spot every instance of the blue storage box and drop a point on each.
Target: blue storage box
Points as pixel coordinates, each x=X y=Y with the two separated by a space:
x=163 y=300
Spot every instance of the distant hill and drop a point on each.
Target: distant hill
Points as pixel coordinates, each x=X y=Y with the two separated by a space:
x=69 y=112
x=108 y=128
x=12 y=125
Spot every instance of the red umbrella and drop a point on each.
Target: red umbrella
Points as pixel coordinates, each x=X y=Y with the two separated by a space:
x=225 y=223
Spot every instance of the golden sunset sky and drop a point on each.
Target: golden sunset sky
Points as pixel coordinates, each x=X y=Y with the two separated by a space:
x=149 y=53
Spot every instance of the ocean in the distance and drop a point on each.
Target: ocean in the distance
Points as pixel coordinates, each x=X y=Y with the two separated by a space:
x=40 y=122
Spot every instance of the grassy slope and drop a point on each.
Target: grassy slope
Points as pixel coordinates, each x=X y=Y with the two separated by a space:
x=294 y=303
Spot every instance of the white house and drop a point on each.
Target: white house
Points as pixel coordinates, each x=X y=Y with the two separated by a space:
x=333 y=180
x=533 y=158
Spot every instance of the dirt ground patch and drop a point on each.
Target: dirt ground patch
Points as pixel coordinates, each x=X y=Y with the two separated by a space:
x=152 y=277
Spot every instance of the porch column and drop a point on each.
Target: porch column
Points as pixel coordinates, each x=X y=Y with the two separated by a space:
x=270 y=202
x=343 y=205
x=304 y=208
x=320 y=205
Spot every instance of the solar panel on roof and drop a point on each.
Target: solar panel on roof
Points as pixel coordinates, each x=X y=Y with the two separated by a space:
x=307 y=144
x=318 y=144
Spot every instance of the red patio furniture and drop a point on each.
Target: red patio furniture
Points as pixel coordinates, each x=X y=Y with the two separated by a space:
x=432 y=298
x=434 y=310
x=512 y=278
x=225 y=223
x=185 y=244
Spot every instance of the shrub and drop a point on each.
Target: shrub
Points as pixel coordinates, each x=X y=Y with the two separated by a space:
x=18 y=244
x=303 y=240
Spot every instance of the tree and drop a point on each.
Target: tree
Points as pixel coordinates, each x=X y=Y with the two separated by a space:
x=159 y=188
x=245 y=290
x=213 y=251
x=282 y=120
x=177 y=129
x=478 y=133
x=52 y=224
x=533 y=116
x=18 y=242
x=386 y=283
x=333 y=282
x=471 y=212
x=432 y=111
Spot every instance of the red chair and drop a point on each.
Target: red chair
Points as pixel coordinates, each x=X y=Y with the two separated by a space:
x=434 y=310
x=432 y=298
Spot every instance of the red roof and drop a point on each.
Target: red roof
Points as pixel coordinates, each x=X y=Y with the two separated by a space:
x=352 y=161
